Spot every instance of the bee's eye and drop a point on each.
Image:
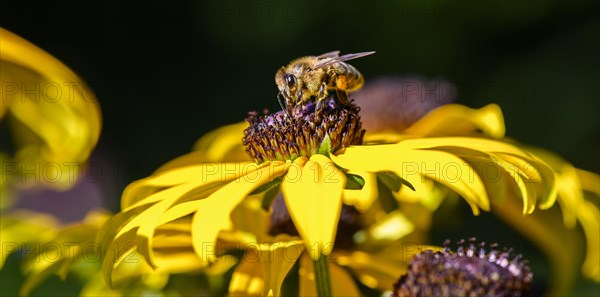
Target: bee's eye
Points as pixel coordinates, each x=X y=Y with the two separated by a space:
x=290 y=79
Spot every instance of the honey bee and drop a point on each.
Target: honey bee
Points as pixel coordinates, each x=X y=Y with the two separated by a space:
x=314 y=76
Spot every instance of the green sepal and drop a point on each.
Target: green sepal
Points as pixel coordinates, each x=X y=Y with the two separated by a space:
x=354 y=182
x=386 y=198
x=325 y=147
x=392 y=181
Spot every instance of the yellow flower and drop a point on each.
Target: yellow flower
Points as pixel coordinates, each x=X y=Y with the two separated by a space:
x=317 y=171
x=73 y=250
x=53 y=115
x=572 y=187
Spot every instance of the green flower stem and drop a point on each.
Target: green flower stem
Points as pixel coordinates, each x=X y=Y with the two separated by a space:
x=322 y=278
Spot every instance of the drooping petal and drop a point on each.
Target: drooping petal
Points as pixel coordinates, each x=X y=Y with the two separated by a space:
x=534 y=178
x=412 y=165
x=456 y=120
x=573 y=186
x=277 y=259
x=173 y=251
x=313 y=196
x=546 y=230
x=138 y=223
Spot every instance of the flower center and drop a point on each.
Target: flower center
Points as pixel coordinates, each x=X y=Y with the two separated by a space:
x=471 y=271
x=281 y=137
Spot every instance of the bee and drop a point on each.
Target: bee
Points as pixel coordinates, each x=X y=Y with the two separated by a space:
x=314 y=76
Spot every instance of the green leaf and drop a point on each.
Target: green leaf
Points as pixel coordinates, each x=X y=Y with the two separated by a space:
x=386 y=198
x=392 y=181
x=325 y=147
x=354 y=182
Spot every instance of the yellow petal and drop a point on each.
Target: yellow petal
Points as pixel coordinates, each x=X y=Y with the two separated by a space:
x=223 y=144
x=20 y=226
x=589 y=216
x=545 y=229
x=173 y=249
x=392 y=227
x=589 y=181
x=250 y=217
x=247 y=279
x=146 y=222
x=70 y=244
x=456 y=120
x=277 y=259
x=313 y=196
x=374 y=270
x=138 y=193
x=410 y=164
x=342 y=283
x=538 y=180
x=56 y=116
x=213 y=213
x=426 y=192
x=473 y=143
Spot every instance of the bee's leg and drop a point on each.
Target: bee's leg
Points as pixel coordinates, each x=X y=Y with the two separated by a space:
x=319 y=105
x=321 y=96
x=342 y=96
x=322 y=91
x=283 y=104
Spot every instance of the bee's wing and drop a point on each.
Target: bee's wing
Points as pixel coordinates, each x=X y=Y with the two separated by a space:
x=331 y=60
x=332 y=54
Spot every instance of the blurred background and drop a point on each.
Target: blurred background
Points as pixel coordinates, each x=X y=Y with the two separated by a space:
x=167 y=73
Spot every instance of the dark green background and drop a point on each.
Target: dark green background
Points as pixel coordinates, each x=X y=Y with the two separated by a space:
x=165 y=73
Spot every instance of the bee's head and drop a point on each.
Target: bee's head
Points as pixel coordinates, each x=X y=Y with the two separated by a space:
x=288 y=84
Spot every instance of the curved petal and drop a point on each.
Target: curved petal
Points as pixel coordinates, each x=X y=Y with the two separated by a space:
x=277 y=259
x=224 y=144
x=412 y=165
x=456 y=120
x=140 y=192
x=313 y=196
x=534 y=178
x=56 y=116
x=556 y=242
